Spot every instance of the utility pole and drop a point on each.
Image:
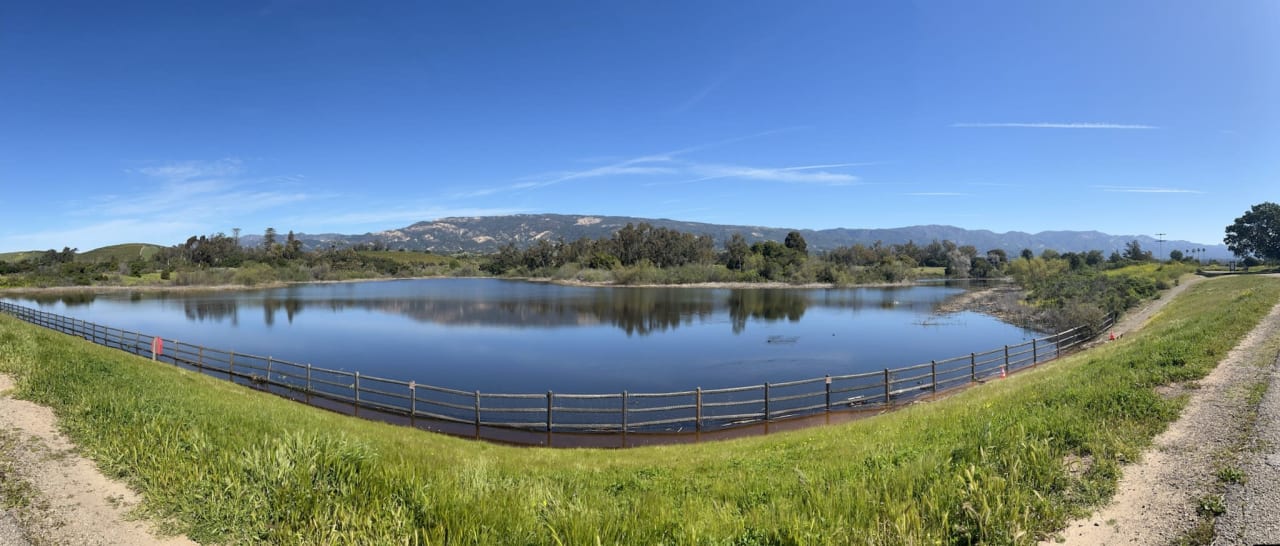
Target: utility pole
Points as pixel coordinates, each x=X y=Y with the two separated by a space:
x=1160 y=239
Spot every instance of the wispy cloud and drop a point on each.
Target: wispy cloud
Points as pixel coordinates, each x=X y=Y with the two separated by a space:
x=383 y=218
x=1137 y=189
x=197 y=190
x=1044 y=125
x=803 y=174
x=105 y=233
x=936 y=194
x=659 y=164
x=179 y=171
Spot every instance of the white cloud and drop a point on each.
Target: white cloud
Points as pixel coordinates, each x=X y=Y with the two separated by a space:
x=936 y=194
x=390 y=218
x=178 y=171
x=1071 y=125
x=111 y=232
x=665 y=163
x=789 y=175
x=1135 y=189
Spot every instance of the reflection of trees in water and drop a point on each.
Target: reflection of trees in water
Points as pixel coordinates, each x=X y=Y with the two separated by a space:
x=633 y=311
x=769 y=305
x=68 y=299
x=215 y=310
x=291 y=307
x=646 y=311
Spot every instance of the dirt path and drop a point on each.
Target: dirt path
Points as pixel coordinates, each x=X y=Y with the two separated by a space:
x=1253 y=507
x=1157 y=498
x=70 y=501
x=1134 y=320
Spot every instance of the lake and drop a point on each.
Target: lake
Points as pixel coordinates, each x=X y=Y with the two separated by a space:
x=513 y=336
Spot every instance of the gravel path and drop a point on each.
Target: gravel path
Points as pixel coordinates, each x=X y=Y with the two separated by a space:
x=1253 y=508
x=74 y=503
x=1157 y=497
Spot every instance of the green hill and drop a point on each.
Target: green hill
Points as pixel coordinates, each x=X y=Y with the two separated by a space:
x=18 y=256
x=121 y=253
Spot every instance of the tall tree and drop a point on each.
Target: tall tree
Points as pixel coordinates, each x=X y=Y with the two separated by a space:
x=1133 y=251
x=1257 y=233
x=269 y=238
x=292 y=246
x=735 y=252
x=795 y=241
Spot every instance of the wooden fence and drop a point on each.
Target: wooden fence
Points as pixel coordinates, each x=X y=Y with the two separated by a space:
x=625 y=412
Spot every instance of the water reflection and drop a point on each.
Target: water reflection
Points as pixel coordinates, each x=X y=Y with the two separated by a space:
x=636 y=311
x=507 y=336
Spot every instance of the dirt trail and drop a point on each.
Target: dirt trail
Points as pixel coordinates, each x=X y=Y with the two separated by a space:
x=1157 y=497
x=1134 y=320
x=71 y=501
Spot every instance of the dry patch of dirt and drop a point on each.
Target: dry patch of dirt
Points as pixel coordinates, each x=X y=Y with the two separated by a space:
x=71 y=501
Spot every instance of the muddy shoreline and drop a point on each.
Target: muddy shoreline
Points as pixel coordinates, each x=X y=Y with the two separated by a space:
x=1005 y=302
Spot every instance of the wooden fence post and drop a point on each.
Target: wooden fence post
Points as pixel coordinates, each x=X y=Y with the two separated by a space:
x=624 y=412
x=268 y=369
x=1006 y=358
x=697 y=423
x=973 y=367
x=550 y=397
x=1057 y=345
x=933 y=370
x=1035 y=353
x=308 y=378
x=413 y=400
x=828 y=392
x=766 y=401
x=886 y=387
x=231 y=363
x=477 y=414
x=356 y=388
x=200 y=356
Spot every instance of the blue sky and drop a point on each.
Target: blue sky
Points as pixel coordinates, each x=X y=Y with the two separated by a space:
x=154 y=121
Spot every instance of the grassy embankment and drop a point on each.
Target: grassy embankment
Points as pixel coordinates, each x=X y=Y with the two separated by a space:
x=986 y=465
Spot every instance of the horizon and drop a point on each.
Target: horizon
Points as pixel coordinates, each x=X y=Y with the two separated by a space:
x=153 y=122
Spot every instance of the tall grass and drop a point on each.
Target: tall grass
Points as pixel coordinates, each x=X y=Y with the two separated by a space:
x=986 y=465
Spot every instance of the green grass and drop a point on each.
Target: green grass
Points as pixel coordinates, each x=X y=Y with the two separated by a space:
x=121 y=253
x=929 y=272
x=19 y=256
x=985 y=465
x=408 y=258
x=1158 y=272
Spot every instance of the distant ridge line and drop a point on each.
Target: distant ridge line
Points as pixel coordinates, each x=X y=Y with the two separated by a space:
x=484 y=234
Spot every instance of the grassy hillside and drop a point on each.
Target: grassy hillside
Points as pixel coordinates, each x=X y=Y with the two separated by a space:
x=18 y=256
x=407 y=258
x=989 y=464
x=121 y=253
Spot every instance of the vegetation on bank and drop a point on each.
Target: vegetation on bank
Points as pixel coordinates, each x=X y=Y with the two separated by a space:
x=633 y=255
x=1008 y=462
x=1070 y=293
x=219 y=260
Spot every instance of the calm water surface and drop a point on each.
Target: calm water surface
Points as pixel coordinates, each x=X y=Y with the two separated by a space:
x=512 y=336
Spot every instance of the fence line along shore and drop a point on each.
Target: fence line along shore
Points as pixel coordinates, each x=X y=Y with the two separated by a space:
x=533 y=418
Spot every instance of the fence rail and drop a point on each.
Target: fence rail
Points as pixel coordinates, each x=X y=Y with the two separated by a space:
x=626 y=412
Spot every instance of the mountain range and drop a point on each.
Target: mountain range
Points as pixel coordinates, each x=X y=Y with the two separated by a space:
x=484 y=234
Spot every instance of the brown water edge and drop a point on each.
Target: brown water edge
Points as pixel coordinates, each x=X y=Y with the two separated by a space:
x=597 y=440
